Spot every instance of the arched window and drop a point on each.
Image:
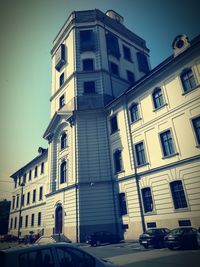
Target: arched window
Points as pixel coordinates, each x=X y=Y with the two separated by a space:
x=63 y=141
x=188 y=80
x=63 y=172
x=158 y=98
x=118 y=161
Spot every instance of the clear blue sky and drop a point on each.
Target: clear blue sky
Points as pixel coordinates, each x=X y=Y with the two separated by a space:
x=28 y=28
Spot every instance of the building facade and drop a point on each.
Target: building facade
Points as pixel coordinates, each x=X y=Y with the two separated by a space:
x=123 y=140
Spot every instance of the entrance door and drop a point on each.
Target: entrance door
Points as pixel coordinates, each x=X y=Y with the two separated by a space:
x=59 y=220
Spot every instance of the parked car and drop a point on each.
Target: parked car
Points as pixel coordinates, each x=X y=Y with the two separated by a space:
x=153 y=237
x=8 y=238
x=50 y=255
x=102 y=237
x=183 y=237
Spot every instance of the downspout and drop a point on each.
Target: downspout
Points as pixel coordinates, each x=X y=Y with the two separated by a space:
x=137 y=177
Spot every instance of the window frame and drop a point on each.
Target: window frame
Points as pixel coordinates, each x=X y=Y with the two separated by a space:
x=61 y=101
x=118 y=162
x=129 y=57
x=144 y=155
x=87 y=90
x=128 y=76
x=135 y=104
x=63 y=140
x=34 y=196
x=184 y=72
x=182 y=207
x=197 y=138
x=116 y=128
x=26 y=221
x=89 y=43
x=84 y=68
x=155 y=106
x=173 y=143
x=123 y=203
x=28 y=198
x=32 y=219
x=61 y=79
x=41 y=193
x=36 y=172
x=113 y=64
x=39 y=221
x=145 y=200
x=63 y=172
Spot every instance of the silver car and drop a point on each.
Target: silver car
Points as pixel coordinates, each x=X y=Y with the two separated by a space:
x=50 y=255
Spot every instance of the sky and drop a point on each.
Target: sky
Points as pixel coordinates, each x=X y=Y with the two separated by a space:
x=27 y=30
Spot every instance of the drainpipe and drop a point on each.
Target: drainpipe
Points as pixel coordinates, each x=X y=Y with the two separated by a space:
x=137 y=177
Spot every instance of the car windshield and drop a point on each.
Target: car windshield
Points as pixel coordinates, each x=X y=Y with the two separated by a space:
x=177 y=231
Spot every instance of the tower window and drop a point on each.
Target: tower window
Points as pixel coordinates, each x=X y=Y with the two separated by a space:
x=114 y=68
x=87 y=40
x=113 y=124
x=63 y=172
x=112 y=45
x=188 y=81
x=127 y=53
x=62 y=101
x=62 y=79
x=88 y=64
x=118 y=161
x=130 y=76
x=142 y=62
x=63 y=141
x=89 y=87
x=60 y=57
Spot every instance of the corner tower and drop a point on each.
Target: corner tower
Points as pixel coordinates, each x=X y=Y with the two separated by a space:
x=95 y=58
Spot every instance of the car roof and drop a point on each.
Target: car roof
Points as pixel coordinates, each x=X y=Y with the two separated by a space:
x=38 y=246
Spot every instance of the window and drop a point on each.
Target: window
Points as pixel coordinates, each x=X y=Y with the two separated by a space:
x=34 y=195
x=178 y=195
x=42 y=167
x=63 y=172
x=39 y=218
x=113 y=124
x=140 y=154
x=22 y=200
x=15 y=183
x=41 y=193
x=184 y=223
x=11 y=223
x=42 y=257
x=17 y=204
x=63 y=141
x=60 y=57
x=142 y=62
x=35 y=171
x=19 y=181
x=26 y=221
x=167 y=143
x=13 y=202
x=130 y=76
x=147 y=199
x=118 y=161
x=196 y=125
x=127 y=53
x=114 y=68
x=151 y=225
x=15 y=223
x=134 y=112
x=88 y=64
x=21 y=221
x=62 y=79
x=24 y=178
x=122 y=204
x=87 y=40
x=89 y=87
x=28 y=198
x=62 y=101
x=187 y=79
x=158 y=98
x=112 y=45
x=30 y=175
x=32 y=220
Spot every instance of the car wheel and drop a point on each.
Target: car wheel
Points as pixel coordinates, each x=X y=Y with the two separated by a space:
x=98 y=243
x=146 y=245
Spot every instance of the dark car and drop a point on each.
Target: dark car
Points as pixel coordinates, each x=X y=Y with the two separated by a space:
x=153 y=237
x=102 y=237
x=182 y=237
x=8 y=238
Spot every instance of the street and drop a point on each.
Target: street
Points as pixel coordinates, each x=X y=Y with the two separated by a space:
x=132 y=254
